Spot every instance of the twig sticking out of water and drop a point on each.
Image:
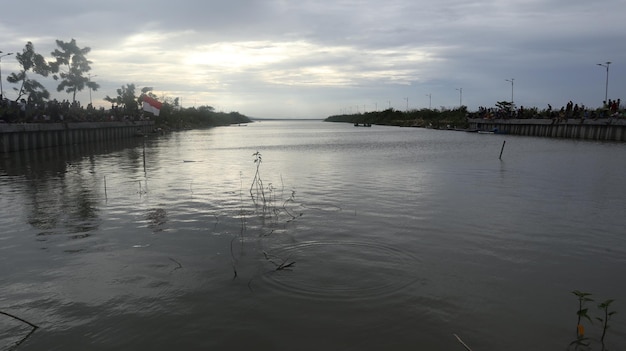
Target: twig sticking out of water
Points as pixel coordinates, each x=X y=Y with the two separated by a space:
x=35 y=327
x=504 y=142
x=279 y=266
x=285 y=265
x=141 y=191
x=178 y=263
x=462 y=343
x=233 y=259
x=267 y=234
x=257 y=183
x=292 y=198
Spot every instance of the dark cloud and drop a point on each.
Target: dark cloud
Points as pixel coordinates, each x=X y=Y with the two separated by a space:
x=322 y=56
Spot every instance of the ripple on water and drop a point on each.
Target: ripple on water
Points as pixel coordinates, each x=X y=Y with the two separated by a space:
x=341 y=270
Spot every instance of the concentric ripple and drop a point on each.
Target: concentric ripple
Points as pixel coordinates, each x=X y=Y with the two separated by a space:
x=341 y=270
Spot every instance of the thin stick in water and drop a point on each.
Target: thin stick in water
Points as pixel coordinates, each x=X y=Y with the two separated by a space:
x=35 y=327
x=462 y=343
x=504 y=142
x=105 y=188
x=178 y=263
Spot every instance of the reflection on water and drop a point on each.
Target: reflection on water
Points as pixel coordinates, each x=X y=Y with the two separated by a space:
x=370 y=238
x=383 y=270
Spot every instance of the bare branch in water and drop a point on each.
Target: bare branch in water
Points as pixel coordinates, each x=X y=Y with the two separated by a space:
x=267 y=234
x=23 y=321
x=283 y=265
x=178 y=263
x=279 y=266
x=462 y=343
x=232 y=256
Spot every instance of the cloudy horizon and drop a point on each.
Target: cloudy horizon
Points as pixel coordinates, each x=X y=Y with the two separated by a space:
x=312 y=59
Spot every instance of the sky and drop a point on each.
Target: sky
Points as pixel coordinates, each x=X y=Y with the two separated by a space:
x=316 y=58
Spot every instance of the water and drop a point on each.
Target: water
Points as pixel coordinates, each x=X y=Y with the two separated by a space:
x=371 y=238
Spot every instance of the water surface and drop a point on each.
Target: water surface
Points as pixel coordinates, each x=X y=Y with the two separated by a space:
x=368 y=239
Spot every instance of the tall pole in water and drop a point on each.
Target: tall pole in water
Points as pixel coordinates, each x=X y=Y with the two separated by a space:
x=606 y=89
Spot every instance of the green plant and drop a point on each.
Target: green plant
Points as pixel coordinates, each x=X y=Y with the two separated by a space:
x=257 y=182
x=583 y=297
x=583 y=313
x=607 y=316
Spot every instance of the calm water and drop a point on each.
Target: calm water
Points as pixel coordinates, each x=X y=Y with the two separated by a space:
x=377 y=238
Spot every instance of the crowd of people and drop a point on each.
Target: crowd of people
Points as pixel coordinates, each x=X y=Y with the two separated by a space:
x=55 y=111
x=610 y=109
x=23 y=111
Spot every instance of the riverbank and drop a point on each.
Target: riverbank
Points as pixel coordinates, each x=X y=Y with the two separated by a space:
x=28 y=136
x=604 y=129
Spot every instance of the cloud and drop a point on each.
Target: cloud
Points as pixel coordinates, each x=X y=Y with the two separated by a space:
x=262 y=58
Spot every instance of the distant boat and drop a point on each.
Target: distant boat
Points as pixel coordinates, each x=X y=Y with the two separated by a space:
x=363 y=125
x=493 y=131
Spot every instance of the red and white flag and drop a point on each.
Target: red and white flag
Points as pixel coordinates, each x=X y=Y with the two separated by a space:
x=151 y=105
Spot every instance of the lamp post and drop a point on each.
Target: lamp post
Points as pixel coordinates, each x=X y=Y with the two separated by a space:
x=460 y=96
x=89 y=76
x=407 y=104
x=606 y=89
x=511 y=80
x=1 y=56
x=430 y=100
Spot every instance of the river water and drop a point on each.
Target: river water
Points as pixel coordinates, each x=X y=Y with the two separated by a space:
x=377 y=238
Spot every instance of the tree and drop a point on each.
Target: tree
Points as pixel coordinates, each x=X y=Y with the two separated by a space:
x=126 y=99
x=30 y=62
x=75 y=66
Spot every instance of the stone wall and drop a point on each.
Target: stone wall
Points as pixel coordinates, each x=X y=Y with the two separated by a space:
x=27 y=136
x=609 y=129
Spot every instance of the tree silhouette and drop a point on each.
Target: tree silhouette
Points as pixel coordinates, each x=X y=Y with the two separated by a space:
x=72 y=66
x=30 y=62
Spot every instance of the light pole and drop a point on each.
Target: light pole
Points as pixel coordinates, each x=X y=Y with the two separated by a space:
x=1 y=56
x=407 y=104
x=511 y=80
x=460 y=96
x=430 y=100
x=89 y=75
x=606 y=89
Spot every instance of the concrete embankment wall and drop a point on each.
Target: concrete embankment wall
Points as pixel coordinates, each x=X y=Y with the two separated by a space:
x=609 y=129
x=28 y=136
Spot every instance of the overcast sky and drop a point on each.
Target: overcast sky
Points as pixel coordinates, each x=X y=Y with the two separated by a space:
x=312 y=59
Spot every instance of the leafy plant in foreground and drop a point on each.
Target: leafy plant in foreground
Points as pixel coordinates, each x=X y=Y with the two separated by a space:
x=257 y=182
x=607 y=315
x=583 y=297
x=581 y=339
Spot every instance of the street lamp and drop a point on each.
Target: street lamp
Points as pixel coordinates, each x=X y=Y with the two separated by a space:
x=606 y=89
x=89 y=76
x=1 y=56
x=511 y=80
x=460 y=96
x=407 y=104
x=430 y=100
